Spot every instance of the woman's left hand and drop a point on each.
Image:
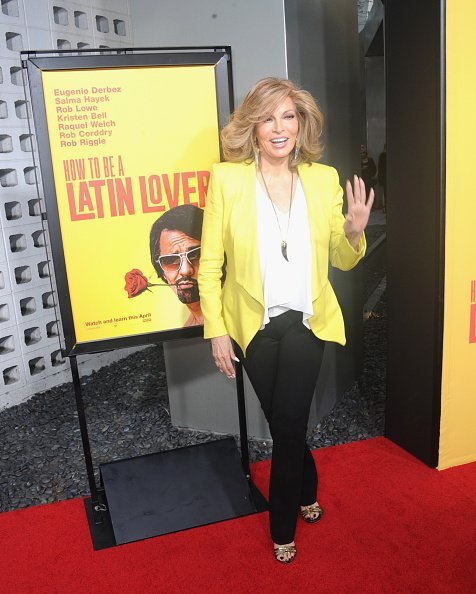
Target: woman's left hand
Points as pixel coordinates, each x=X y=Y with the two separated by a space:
x=358 y=210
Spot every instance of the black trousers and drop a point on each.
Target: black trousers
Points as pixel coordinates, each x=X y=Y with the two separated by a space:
x=283 y=362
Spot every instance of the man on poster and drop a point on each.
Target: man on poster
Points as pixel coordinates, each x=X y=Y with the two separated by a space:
x=175 y=240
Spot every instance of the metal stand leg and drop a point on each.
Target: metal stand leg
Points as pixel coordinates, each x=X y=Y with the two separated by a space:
x=97 y=502
x=259 y=501
x=240 y=394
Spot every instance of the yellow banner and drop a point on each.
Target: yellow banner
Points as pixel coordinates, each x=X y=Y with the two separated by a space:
x=130 y=146
x=458 y=404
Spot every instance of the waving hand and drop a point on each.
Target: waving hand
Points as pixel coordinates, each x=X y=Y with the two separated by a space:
x=358 y=210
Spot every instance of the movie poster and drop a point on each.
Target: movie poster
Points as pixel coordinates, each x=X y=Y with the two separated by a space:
x=458 y=402
x=132 y=150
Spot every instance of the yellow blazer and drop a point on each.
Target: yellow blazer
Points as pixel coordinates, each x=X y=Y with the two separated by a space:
x=230 y=227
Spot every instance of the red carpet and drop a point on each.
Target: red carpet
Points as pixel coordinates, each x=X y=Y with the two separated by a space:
x=391 y=525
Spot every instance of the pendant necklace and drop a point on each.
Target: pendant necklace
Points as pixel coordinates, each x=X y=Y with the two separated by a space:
x=284 y=242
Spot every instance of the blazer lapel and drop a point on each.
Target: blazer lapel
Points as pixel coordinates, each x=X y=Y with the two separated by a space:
x=245 y=232
x=318 y=226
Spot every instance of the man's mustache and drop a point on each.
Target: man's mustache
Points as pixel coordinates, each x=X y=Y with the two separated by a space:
x=184 y=280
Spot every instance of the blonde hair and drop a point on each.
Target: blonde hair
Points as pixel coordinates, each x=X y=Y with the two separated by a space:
x=238 y=136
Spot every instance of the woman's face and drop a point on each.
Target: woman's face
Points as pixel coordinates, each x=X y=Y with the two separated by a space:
x=277 y=134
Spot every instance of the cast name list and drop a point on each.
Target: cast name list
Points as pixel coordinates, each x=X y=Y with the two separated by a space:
x=82 y=119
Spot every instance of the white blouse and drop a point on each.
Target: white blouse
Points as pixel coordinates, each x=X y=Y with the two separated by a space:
x=286 y=284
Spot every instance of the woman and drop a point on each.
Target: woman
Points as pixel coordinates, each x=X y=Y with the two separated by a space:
x=277 y=216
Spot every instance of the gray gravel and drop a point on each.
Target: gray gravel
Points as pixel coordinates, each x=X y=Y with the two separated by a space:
x=41 y=459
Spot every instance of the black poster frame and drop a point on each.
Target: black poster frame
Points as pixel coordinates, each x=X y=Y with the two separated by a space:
x=35 y=62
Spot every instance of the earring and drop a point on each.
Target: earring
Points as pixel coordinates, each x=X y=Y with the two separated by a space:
x=296 y=152
x=256 y=152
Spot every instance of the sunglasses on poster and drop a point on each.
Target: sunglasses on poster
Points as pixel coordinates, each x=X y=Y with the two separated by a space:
x=173 y=262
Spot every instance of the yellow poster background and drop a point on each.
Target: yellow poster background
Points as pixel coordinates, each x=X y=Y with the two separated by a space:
x=150 y=121
x=458 y=404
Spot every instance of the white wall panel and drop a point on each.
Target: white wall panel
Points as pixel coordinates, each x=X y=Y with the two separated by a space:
x=255 y=30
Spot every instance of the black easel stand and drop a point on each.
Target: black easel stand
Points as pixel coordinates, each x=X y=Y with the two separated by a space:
x=257 y=496
x=98 y=506
x=168 y=491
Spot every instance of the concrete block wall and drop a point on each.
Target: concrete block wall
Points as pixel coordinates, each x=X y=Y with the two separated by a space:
x=30 y=333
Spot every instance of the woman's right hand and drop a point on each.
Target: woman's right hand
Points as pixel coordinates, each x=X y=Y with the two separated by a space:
x=224 y=355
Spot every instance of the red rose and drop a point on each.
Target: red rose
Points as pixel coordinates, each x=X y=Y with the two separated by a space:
x=136 y=283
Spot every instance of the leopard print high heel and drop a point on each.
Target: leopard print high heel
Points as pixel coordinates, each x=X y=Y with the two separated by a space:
x=312 y=513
